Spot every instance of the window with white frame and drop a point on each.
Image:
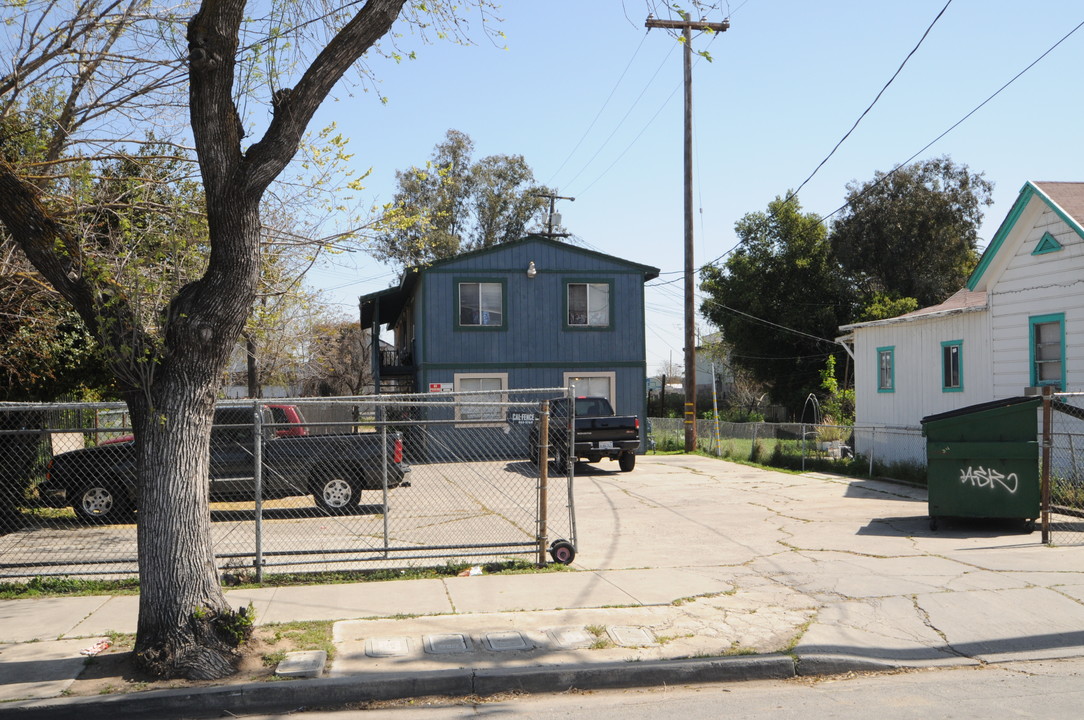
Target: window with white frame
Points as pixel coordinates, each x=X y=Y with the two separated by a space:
x=589 y=304
x=485 y=406
x=481 y=304
x=1048 y=350
x=886 y=369
x=592 y=384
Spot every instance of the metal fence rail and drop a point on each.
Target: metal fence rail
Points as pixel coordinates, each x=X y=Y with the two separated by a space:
x=333 y=493
x=898 y=452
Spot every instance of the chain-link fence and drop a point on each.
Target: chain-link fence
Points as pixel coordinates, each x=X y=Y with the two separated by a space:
x=870 y=451
x=1064 y=500
x=296 y=485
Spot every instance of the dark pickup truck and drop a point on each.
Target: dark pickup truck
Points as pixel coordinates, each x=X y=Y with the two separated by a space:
x=598 y=434
x=99 y=482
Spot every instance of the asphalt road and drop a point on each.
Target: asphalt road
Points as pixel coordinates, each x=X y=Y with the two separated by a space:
x=1051 y=689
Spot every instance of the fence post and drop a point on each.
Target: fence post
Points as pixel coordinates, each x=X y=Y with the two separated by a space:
x=384 y=477
x=872 y=449
x=803 y=440
x=543 y=479
x=257 y=477
x=1044 y=487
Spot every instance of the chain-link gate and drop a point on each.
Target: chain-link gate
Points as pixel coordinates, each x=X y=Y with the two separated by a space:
x=297 y=485
x=1063 y=470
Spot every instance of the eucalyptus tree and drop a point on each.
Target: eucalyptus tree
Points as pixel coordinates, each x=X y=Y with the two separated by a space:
x=455 y=204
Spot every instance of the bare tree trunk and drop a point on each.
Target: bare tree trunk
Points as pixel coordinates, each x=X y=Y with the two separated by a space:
x=186 y=628
x=182 y=608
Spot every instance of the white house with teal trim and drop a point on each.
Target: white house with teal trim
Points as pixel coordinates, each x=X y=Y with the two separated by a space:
x=1018 y=324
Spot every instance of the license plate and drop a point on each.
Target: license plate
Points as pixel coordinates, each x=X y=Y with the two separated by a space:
x=605 y=445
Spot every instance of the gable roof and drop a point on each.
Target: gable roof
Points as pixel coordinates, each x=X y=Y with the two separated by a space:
x=1066 y=199
x=392 y=300
x=962 y=301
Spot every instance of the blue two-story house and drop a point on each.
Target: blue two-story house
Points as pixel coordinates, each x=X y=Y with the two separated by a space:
x=534 y=313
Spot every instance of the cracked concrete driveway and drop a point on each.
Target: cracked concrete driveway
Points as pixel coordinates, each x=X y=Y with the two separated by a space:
x=859 y=553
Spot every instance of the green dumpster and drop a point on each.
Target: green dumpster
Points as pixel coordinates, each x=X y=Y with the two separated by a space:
x=982 y=461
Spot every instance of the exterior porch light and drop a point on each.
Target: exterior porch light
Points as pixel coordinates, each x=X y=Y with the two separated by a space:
x=531 y=270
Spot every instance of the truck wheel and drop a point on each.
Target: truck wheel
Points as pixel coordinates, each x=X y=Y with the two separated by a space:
x=562 y=552
x=627 y=461
x=99 y=502
x=336 y=495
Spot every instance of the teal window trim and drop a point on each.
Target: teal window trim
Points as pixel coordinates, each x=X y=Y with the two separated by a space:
x=456 y=295
x=886 y=385
x=1047 y=244
x=948 y=358
x=567 y=283
x=1033 y=323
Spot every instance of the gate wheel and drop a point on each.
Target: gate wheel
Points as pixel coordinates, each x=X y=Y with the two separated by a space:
x=562 y=552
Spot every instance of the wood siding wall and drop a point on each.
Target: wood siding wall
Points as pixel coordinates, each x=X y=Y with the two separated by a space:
x=1034 y=285
x=919 y=389
x=535 y=347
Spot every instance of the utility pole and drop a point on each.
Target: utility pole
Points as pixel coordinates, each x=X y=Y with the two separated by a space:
x=686 y=27
x=549 y=221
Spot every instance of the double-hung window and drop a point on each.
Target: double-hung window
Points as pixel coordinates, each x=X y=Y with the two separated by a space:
x=484 y=404
x=481 y=304
x=588 y=304
x=952 y=374
x=1048 y=350
x=886 y=369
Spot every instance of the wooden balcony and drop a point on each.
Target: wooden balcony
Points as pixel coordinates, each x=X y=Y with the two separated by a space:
x=397 y=362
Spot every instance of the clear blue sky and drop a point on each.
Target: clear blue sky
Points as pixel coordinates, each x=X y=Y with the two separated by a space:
x=787 y=81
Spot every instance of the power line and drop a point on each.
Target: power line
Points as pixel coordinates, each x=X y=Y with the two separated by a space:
x=957 y=123
x=621 y=122
x=636 y=139
x=879 y=94
x=901 y=165
x=605 y=104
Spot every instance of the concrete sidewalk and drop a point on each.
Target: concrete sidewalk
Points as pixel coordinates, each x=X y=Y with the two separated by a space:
x=690 y=569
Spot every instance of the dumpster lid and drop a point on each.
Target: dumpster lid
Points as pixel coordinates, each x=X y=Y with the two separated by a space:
x=981 y=407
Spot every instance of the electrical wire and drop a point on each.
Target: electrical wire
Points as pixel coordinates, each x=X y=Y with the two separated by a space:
x=605 y=104
x=621 y=122
x=879 y=94
x=903 y=164
x=955 y=125
x=648 y=124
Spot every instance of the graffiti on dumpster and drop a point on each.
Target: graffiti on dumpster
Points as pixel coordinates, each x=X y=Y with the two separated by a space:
x=989 y=478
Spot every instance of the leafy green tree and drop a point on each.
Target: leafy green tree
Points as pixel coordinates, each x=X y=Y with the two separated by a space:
x=913 y=232
x=779 y=300
x=455 y=204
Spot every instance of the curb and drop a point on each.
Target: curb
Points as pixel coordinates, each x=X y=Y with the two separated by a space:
x=310 y=694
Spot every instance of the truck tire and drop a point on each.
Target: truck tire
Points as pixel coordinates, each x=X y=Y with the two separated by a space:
x=336 y=495
x=627 y=461
x=99 y=502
